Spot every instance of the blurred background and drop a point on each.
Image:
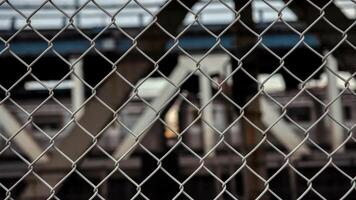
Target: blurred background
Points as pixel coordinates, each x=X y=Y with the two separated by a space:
x=229 y=100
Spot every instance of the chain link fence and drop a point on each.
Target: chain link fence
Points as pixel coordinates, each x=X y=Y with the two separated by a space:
x=177 y=99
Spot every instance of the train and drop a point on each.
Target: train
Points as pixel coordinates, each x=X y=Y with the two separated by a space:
x=53 y=116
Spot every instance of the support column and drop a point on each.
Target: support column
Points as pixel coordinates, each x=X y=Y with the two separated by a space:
x=77 y=91
x=253 y=186
x=337 y=136
x=244 y=88
x=207 y=113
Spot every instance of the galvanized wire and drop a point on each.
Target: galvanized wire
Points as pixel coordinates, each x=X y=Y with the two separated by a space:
x=56 y=160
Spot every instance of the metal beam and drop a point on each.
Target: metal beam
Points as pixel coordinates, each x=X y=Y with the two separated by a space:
x=20 y=136
x=150 y=113
x=327 y=34
x=115 y=90
x=307 y=13
x=281 y=130
x=114 y=93
x=211 y=65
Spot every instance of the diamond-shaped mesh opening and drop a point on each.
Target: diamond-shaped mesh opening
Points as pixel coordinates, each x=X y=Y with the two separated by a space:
x=135 y=13
x=280 y=185
x=11 y=76
x=201 y=186
x=84 y=189
x=48 y=14
x=268 y=12
x=327 y=176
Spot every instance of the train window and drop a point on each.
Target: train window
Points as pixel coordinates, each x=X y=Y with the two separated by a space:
x=347 y=112
x=299 y=114
x=48 y=121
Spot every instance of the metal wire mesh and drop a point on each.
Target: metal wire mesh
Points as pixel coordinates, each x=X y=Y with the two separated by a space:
x=165 y=100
